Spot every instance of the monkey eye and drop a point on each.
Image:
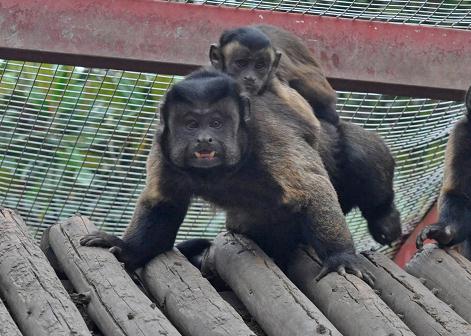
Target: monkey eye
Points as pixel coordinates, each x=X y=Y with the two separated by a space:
x=191 y=124
x=242 y=63
x=216 y=123
x=260 y=65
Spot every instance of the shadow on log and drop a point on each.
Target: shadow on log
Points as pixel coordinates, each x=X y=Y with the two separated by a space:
x=271 y=298
x=230 y=297
x=189 y=300
x=406 y=295
x=117 y=306
x=447 y=274
x=351 y=305
x=7 y=325
x=35 y=296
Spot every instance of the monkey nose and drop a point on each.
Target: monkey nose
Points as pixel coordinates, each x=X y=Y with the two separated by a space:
x=205 y=139
x=249 y=79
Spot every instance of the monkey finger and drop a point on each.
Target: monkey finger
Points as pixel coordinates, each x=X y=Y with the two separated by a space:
x=369 y=278
x=85 y=239
x=324 y=271
x=421 y=237
x=341 y=270
x=116 y=251
x=96 y=242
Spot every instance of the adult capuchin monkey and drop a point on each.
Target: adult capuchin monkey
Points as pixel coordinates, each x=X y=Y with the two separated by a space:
x=252 y=55
x=454 y=202
x=359 y=163
x=245 y=157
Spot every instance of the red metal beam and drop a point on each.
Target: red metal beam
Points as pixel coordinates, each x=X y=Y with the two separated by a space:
x=408 y=249
x=173 y=38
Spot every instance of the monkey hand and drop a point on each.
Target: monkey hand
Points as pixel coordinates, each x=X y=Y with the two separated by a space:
x=115 y=245
x=444 y=234
x=343 y=263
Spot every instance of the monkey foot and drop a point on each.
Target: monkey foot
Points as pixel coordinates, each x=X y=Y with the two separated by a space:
x=344 y=263
x=442 y=233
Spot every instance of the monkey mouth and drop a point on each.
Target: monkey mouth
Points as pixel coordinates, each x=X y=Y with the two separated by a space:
x=251 y=87
x=205 y=155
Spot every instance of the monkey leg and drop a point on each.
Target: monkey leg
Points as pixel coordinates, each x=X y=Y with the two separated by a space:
x=194 y=249
x=367 y=181
x=152 y=230
x=454 y=224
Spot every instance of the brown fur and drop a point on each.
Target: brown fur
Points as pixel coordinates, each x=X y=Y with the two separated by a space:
x=454 y=202
x=279 y=194
x=300 y=69
x=358 y=162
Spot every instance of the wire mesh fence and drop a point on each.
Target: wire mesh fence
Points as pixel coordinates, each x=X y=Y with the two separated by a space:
x=75 y=139
x=447 y=13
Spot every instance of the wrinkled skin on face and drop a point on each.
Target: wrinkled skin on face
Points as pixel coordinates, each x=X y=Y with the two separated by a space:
x=252 y=69
x=204 y=136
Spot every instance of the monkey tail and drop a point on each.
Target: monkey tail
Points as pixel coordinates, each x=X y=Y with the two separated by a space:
x=194 y=249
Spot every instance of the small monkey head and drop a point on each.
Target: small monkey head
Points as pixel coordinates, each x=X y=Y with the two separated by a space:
x=204 y=122
x=247 y=55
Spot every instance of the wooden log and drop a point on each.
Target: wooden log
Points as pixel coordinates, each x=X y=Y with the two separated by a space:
x=189 y=300
x=348 y=302
x=447 y=274
x=117 y=306
x=7 y=325
x=270 y=297
x=408 y=297
x=230 y=297
x=35 y=296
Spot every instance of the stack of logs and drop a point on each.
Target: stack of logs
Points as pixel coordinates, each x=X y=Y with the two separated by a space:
x=171 y=297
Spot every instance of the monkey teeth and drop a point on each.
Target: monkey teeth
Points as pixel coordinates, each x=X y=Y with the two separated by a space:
x=208 y=156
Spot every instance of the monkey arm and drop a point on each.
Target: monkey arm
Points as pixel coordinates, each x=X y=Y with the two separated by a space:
x=158 y=214
x=152 y=230
x=326 y=230
x=308 y=190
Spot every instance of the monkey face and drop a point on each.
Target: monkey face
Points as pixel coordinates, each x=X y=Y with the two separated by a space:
x=250 y=69
x=203 y=135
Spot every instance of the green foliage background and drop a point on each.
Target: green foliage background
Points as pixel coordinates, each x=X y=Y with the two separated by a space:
x=75 y=139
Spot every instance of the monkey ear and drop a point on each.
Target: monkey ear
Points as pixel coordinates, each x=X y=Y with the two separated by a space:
x=276 y=61
x=274 y=66
x=215 y=56
x=247 y=113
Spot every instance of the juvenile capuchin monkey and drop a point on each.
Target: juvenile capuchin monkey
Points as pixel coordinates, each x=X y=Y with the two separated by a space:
x=359 y=163
x=454 y=202
x=252 y=55
x=246 y=157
